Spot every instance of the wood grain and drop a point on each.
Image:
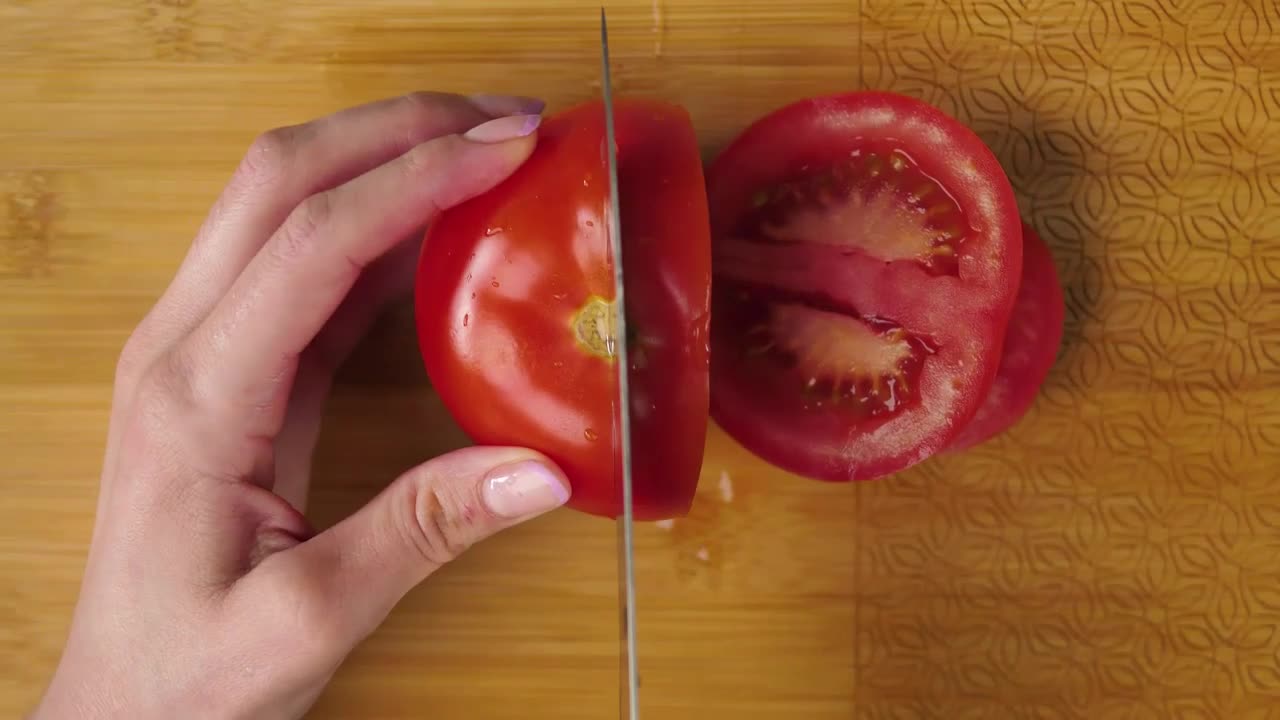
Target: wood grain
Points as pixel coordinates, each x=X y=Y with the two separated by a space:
x=1111 y=557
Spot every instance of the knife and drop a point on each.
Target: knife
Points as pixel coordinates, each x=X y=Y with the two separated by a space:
x=630 y=676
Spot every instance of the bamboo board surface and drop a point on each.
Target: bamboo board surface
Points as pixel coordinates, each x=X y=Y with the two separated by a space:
x=1114 y=556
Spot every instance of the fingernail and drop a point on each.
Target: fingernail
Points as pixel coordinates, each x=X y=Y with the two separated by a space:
x=500 y=105
x=523 y=489
x=504 y=129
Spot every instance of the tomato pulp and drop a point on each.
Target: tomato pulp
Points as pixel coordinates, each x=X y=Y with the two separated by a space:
x=514 y=300
x=1030 y=346
x=867 y=249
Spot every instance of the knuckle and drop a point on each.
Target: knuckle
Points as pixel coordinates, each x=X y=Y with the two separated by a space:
x=445 y=113
x=157 y=415
x=165 y=388
x=422 y=159
x=140 y=348
x=429 y=115
x=270 y=154
x=440 y=528
x=297 y=236
x=425 y=101
x=428 y=165
x=132 y=359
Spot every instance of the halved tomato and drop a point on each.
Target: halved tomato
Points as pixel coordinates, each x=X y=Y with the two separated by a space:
x=1031 y=344
x=867 y=251
x=514 y=301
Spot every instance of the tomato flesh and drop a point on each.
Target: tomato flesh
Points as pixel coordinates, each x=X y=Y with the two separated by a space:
x=876 y=201
x=829 y=354
x=1030 y=348
x=866 y=250
x=515 y=307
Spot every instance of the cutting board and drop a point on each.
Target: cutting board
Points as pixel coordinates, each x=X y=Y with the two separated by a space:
x=1113 y=556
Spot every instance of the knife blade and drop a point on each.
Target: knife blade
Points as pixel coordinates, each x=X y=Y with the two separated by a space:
x=629 y=670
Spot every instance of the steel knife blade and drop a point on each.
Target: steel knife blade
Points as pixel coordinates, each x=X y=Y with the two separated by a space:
x=630 y=677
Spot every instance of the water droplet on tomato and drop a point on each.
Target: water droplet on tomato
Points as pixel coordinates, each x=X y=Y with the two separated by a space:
x=590 y=224
x=466 y=319
x=473 y=296
x=490 y=232
x=494 y=283
x=590 y=435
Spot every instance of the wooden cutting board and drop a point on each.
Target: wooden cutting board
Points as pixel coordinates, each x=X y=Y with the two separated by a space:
x=1114 y=556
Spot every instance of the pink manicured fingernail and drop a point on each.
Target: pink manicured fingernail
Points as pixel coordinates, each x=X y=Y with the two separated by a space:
x=500 y=105
x=523 y=489
x=504 y=129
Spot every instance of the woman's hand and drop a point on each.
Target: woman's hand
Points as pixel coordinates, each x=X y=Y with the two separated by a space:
x=206 y=594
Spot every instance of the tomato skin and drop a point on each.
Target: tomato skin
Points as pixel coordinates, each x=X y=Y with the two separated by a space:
x=1031 y=344
x=667 y=259
x=503 y=277
x=964 y=314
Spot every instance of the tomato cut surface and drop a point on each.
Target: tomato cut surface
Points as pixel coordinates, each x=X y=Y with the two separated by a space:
x=1031 y=344
x=514 y=303
x=867 y=250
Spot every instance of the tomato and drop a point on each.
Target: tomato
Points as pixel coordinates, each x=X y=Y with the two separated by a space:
x=1030 y=346
x=867 y=251
x=514 y=306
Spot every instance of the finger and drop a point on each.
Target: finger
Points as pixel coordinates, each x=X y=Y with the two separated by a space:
x=285 y=166
x=244 y=354
x=388 y=279
x=282 y=168
x=362 y=566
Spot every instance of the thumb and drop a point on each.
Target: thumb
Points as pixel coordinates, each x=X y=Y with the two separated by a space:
x=431 y=514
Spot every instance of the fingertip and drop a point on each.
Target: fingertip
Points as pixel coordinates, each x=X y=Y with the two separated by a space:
x=524 y=489
x=449 y=171
x=503 y=129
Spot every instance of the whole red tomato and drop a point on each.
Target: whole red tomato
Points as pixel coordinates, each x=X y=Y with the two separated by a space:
x=867 y=250
x=1031 y=345
x=514 y=298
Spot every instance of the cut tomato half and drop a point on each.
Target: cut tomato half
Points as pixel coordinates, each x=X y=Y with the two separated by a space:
x=1031 y=344
x=866 y=251
x=515 y=299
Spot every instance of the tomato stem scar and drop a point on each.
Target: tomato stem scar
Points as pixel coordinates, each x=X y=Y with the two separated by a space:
x=595 y=327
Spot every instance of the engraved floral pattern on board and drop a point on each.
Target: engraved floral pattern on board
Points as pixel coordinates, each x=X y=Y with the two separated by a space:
x=1114 y=554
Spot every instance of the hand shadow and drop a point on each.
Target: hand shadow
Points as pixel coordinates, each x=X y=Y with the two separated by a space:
x=511 y=603
x=382 y=418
